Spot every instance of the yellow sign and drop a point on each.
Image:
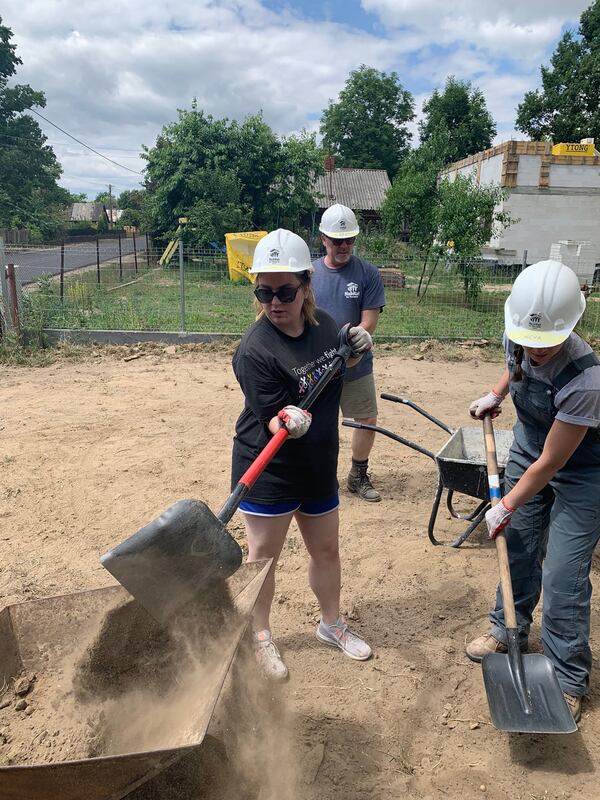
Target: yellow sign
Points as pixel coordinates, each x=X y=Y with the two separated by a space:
x=240 y=250
x=573 y=149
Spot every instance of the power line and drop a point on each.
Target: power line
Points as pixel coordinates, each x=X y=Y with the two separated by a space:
x=75 y=139
x=50 y=143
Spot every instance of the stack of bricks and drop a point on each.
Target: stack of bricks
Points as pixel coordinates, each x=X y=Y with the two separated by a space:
x=392 y=278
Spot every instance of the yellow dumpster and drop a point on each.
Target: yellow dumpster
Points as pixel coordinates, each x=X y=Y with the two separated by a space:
x=240 y=249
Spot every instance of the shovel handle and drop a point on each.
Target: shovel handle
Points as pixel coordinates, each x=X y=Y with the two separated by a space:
x=510 y=616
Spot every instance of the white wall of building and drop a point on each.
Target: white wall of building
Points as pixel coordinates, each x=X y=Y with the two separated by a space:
x=529 y=170
x=545 y=219
x=491 y=170
x=575 y=175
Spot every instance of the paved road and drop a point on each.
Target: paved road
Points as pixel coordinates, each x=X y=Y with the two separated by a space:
x=46 y=260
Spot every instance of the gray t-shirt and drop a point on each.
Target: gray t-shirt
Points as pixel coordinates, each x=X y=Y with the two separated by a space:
x=579 y=401
x=345 y=293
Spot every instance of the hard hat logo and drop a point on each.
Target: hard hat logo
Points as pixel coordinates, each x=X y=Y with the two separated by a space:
x=535 y=321
x=273 y=256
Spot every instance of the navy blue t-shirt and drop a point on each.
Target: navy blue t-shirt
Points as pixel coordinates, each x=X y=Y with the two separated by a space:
x=345 y=293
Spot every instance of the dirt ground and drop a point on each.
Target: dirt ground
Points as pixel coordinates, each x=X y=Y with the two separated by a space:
x=93 y=448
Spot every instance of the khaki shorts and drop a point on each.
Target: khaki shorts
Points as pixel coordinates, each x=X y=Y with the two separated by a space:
x=359 y=398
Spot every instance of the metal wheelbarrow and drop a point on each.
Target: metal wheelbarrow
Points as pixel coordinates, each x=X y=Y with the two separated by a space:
x=38 y=635
x=461 y=465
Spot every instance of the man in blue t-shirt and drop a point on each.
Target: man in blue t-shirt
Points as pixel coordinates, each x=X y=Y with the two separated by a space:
x=351 y=290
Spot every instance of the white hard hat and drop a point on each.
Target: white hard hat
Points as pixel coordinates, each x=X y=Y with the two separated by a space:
x=339 y=222
x=544 y=305
x=281 y=251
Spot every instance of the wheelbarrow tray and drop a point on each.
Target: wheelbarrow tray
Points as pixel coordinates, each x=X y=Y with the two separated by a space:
x=36 y=634
x=462 y=464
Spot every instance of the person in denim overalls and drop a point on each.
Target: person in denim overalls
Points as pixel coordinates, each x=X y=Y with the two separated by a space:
x=551 y=506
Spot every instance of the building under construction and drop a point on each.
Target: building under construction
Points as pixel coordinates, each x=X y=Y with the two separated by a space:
x=552 y=193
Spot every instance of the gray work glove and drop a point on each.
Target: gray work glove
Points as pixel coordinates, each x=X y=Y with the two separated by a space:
x=359 y=340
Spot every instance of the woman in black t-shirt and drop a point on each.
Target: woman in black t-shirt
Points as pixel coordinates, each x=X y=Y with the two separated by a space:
x=278 y=360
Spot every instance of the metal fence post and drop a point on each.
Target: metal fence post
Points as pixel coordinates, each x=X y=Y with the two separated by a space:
x=98 y=260
x=181 y=290
x=62 y=271
x=4 y=291
x=135 y=253
x=13 y=300
x=120 y=260
x=147 y=252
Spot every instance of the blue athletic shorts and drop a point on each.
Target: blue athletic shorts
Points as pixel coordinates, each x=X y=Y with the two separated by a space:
x=312 y=508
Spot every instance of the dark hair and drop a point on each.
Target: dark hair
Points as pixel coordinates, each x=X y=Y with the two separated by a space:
x=308 y=307
x=516 y=373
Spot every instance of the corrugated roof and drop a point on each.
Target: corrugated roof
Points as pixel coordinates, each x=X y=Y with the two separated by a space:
x=86 y=212
x=359 y=189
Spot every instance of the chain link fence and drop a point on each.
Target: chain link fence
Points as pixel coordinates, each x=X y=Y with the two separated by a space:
x=114 y=285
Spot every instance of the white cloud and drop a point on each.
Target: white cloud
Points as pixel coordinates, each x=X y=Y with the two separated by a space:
x=114 y=74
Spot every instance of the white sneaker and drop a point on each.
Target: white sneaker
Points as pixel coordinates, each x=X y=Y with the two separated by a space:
x=340 y=635
x=267 y=656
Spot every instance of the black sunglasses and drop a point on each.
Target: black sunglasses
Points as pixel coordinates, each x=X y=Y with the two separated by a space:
x=347 y=240
x=287 y=294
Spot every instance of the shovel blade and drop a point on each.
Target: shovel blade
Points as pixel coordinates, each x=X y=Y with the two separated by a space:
x=172 y=560
x=548 y=712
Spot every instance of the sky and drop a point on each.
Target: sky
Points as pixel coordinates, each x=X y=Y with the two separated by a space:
x=115 y=73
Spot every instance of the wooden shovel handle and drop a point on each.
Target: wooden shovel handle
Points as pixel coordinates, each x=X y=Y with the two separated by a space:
x=510 y=616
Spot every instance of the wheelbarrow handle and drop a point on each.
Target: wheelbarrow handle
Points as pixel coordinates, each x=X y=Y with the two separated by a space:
x=501 y=547
x=395 y=399
x=364 y=426
x=266 y=455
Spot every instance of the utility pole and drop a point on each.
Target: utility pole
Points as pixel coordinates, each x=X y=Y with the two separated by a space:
x=110 y=219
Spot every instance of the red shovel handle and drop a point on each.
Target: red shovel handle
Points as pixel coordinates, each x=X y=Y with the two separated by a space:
x=268 y=452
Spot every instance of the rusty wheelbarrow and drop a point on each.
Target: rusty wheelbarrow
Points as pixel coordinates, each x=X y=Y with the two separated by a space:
x=40 y=634
x=461 y=465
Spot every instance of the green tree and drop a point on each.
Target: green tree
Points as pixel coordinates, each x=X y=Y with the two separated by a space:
x=470 y=216
x=226 y=176
x=131 y=198
x=567 y=107
x=102 y=225
x=460 y=113
x=291 y=191
x=410 y=202
x=367 y=126
x=29 y=194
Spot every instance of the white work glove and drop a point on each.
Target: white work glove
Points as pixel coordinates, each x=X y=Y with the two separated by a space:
x=359 y=340
x=296 y=420
x=497 y=518
x=488 y=404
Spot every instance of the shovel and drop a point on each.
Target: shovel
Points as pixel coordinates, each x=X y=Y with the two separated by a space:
x=184 y=552
x=523 y=692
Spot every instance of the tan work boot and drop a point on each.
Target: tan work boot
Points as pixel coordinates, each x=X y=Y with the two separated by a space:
x=574 y=704
x=483 y=645
x=359 y=483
